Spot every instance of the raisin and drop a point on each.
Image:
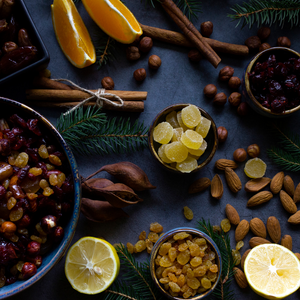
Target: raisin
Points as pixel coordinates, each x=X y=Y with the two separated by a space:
x=156 y=227
x=188 y=213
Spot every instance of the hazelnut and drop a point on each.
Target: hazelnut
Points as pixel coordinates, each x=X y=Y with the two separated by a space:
x=58 y=234
x=48 y=222
x=220 y=99
x=107 y=83
x=240 y=155
x=235 y=99
x=283 y=41
x=139 y=74
x=264 y=46
x=243 y=109
x=8 y=228
x=206 y=28
x=146 y=44
x=253 y=150
x=9 y=46
x=234 y=83
x=263 y=33
x=226 y=73
x=222 y=134
x=136 y=41
x=33 y=248
x=133 y=53
x=210 y=90
x=36 y=260
x=28 y=270
x=194 y=55
x=253 y=42
x=154 y=62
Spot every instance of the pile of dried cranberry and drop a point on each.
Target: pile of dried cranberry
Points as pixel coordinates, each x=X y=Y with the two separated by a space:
x=36 y=197
x=276 y=84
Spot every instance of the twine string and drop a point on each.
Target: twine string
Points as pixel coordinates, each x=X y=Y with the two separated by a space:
x=100 y=96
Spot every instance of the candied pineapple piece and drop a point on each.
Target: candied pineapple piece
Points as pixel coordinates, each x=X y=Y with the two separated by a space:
x=200 y=151
x=181 y=124
x=191 y=139
x=172 y=119
x=188 y=165
x=176 y=151
x=203 y=127
x=191 y=116
x=162 y=155
x=163 y=133
x=177 y=133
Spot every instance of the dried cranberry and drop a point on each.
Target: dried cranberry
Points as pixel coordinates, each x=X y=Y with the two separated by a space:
x=271 y=61
x=33 y=155
x=278 y=106
x=5 y=147
x=2 y=191
x=7 y=253
x=11 y=280
x=18 y=121
x=275 y=88
x=58 y=234
x=36 y=260
x=25 y=221
x=32 y=125
x=22 y=173
x=33 y=248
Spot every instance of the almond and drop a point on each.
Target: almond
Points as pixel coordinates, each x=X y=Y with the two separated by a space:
x=289 y=185
x=241 y=230
x=277 y=183
x=233 y=180
x=257 y=184
x=244 y=257
x=258 y=227
x=287 y=241
x=199 y=185
x=216 y=187
x=295 y=218
x=256 y=240
x=298 y=255
x=240 y=278
x=297 y=194
x=222 y=163
x=259 y=198
x=287 y=202
x=232 y=214
x=273 y=228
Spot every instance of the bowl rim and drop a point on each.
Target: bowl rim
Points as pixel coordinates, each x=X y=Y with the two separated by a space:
x=247 y=81
x=64 y=244
x=168 y=235
x=175 y=107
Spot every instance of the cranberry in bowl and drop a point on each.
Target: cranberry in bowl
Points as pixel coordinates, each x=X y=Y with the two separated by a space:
x=271 y=83
x=39 y=197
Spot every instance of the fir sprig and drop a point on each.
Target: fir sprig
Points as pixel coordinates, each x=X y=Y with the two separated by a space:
x=223 y=290
x=286 y=153
x=267 y=12
x=105 y=48
x=89 y=132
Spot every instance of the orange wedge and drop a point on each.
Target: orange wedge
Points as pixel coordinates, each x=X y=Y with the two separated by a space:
x=71 y=34
x=115 y=19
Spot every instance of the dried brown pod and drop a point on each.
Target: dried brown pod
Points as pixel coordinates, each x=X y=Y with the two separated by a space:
x=199 y=185
x=91 y=186
x=130 y=174
x=100 y=211
x=277 y=183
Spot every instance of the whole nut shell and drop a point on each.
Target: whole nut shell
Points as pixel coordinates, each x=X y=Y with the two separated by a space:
x=287 y=202
x=222 y=163
x=154 y=62
x=107 y=83
x=146 y=44
x=220 y=99
x=253 y=150
x=277 y=183
x=235 y=99
x=257 y=184
x=287 y=242
x=222 y=134
x=234 y=82
x=210 y=90
x=133 y=53
x=297 y=194
x=264 y=46
x=263 y=33
x=233 y=180
x=232 y=214
x=240 y=278
x=295 y=218
x=216 y=187
x=243 y=109
x=258 y=227
x=256 y=240
x=283 y=41
x=289 y=185
x=274 y=229
x=259 y=198
x=240 y=155
x=226 y=73
x=253 y=42
x=199 y=185
x=140 y=74
x=206 y=28
x=241 y=230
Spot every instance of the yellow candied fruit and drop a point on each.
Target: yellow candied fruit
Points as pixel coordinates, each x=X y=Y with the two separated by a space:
x=162 y=155
x=172 y=119
x=176 y=152
x=188 y=165
x=163 y=133
x=191 y=139
x=191 y=116
x=255 y=168
x=203 y=127
x=198 y=152
x=179 y=119
x=177 y=133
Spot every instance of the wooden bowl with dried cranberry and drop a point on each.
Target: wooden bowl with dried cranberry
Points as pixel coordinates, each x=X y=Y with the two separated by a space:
x=271 y=83
x=39 y=197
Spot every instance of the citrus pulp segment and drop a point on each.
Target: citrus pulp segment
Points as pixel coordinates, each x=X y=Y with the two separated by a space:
x=255 y=168
x=71 y=34
x=115 y=19
x=272 y=271
x=91 y=265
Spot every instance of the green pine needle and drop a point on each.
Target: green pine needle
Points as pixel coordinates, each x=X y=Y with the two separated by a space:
x=105 y=49
x=267 y=12
x=89 y=132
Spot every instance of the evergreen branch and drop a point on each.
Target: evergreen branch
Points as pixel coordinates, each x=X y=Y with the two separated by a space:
x=121 y=291
x=284 y=159
x=105 y=50
x=267 y=12
x=222 y=290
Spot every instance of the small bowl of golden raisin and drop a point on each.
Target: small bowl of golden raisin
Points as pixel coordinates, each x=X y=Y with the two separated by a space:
x=183 y=138
x=185 y=263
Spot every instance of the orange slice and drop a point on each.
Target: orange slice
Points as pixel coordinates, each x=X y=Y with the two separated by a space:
x=115 y=19
x=71 y=34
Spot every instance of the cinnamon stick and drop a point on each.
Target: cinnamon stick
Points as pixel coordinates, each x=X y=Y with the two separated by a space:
x=191 y=32
x=47 y=83
x=176 y=38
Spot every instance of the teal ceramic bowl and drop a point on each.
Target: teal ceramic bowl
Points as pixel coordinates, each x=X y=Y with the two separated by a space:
x=195 y=233
x=9 y=107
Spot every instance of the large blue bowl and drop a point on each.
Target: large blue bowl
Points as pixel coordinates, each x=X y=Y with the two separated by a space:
x=51 y=258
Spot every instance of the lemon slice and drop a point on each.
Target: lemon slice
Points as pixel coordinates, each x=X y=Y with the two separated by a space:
x=272 y=271
x=71 y=34
x=91 y=265
x=115 y=19
x=255 y=168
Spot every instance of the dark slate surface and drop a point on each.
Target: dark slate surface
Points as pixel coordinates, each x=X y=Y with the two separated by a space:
x=177 y=81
